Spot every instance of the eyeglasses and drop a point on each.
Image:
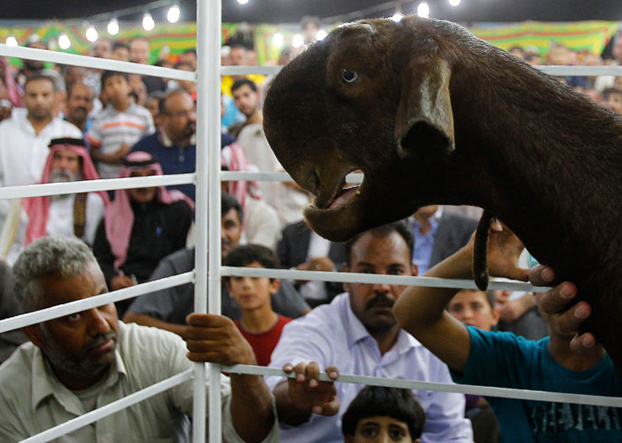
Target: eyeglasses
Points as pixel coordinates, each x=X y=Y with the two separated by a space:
x=187 y=113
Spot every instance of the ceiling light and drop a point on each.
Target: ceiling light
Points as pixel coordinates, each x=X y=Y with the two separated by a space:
x=113 y=27
x=91 y=34
x=242 y=2
x=320 y=35
x=277 y=40
x=423 y=10
x=397 y=17
x=148 y=22
x=64 y=42
x=11 y=41
x=298 y=41
x=173 y=14
x=454 y=2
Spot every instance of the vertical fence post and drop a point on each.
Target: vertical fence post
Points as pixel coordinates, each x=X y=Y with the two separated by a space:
x=207 y=266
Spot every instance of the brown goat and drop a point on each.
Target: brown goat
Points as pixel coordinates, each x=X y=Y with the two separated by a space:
x=434 y=115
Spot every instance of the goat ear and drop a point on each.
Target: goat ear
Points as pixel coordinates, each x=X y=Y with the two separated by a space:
x=424 y=117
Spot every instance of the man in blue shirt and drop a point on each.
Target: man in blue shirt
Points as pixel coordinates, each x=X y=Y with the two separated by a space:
x=504 y=360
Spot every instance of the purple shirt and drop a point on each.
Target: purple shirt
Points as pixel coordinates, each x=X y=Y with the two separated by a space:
x=333 y=335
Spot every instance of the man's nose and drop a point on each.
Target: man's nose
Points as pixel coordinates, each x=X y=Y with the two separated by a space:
x=97 y=322
x=381 y=287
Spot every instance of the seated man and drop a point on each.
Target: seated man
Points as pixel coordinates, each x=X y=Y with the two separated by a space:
x=88 y=359
x=358 y=333
x=380 y=414
x=66 y=214
x=141 y=227
x=168 y=308
x=504 y=360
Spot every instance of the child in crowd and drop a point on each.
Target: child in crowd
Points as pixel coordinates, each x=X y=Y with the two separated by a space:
x=118 y=127
x=502 y=359
x=259 y=324
x=381 y=414
x=476 y=308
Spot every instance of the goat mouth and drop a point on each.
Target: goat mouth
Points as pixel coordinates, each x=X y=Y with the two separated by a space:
x=338 y=197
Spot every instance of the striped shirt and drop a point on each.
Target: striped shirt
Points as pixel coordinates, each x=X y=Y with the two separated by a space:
x=111 y=129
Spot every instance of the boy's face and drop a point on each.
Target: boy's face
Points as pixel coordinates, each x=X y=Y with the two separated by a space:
x=471 y=307
x=252 y=292
x=380 y=430
x=117 y=89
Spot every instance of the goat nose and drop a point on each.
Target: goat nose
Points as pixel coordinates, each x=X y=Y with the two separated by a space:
x=312 y=182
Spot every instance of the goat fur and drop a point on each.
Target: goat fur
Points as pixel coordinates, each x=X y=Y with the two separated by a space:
x=438 y=116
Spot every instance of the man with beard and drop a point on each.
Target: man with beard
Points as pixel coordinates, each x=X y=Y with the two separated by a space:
x=88 y=359
x=174 y=143
x=141 y=226
x=24 y=140
x=358 y=334
x=67 y=214
x=79 y=105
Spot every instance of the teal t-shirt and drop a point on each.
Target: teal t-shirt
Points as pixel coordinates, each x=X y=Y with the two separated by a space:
x=502 y=359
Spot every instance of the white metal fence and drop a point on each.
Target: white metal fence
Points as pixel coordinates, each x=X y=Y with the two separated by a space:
x=208 y=271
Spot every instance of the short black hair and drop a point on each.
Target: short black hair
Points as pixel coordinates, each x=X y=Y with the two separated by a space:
x=36 y=77
x=190 y=51
x=229 y=202
x=118 y=45
x=380 y=401
x=165 y=96
x=108 y=74
x=382 y=231
x=73 y=85
x=609 y=91
x=241 y=82
x=246 y=254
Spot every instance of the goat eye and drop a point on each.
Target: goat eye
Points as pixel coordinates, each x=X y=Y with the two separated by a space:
x=349 y=76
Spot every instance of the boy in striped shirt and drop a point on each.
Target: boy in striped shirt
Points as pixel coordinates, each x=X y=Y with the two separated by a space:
x=117 y=127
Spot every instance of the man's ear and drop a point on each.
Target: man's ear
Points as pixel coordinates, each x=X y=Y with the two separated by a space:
x=35 y=335
x=424 y=121
x=275 y=284
x=415 y=270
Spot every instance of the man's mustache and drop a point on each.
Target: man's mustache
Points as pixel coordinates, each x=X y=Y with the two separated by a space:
x=380 y=301
x=101 y=339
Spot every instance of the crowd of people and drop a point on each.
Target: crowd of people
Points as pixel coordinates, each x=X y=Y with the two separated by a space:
x=604 y=90
x=68 y=124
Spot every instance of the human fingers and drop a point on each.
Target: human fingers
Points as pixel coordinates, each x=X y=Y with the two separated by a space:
x=313 y=374
x=207 y=320
x=582 y=344
x=556 y=299
x=332 y=372
x=571 y=321
x=541 y=275
x=328 y=407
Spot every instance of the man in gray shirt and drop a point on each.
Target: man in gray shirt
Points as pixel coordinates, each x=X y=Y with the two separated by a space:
x=86 y=360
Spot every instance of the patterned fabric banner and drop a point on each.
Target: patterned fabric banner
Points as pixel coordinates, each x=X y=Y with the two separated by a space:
x=588 y=36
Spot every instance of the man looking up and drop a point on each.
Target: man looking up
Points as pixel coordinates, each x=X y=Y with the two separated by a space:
x=86 y=360
x=358 y=334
